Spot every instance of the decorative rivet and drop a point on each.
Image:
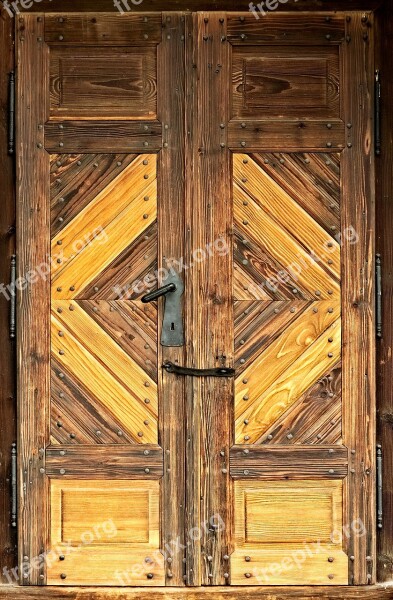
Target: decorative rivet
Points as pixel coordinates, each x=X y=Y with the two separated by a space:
x=150 y=575
x=63 y=576
x=140 y=434
x=72 y=436
x=329 y=125
x=352 y=558
x=328 y=36
x=331 y=471
x=42 y=471
x=60 y=219
x=222 y=145
x=329 y=144
x=243 y=144
x=269 y=437
x=330 y=355
x=146 y=452
x=61 y=38
x=72 y=288
x=224 y=471
x=246 y=472
x=147 y=401
x=248 y=575
x=147 y=470
x=61 y=144
x=145 y=216
x=243 y=36
x=79 y=162
x=246 y=437
x=246 y=421
x=61 y=375
x=61 y=334
x=289 y=436
x=331 y=576
x=61 y=557
x=62 y=471
x=246 y=398
x=330 y=559
x=330 y=310
x=245 y=222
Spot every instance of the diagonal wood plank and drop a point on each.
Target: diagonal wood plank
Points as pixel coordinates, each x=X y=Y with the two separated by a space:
x=312 y=179
x=76 y=179
x=124 y=277
x=315 y=418
x=260 y=227
x=318 y=357
x=77 y=415
x=133 y=326
x=258 y=324
x=283 y=352
x=89 y=363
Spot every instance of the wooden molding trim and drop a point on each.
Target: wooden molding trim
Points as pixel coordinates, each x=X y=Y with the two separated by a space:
x=220 y=593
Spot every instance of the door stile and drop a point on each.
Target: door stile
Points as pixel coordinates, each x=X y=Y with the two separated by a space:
x=171 y=82
x=33 y=343
x=210 y=332
x=358 y=296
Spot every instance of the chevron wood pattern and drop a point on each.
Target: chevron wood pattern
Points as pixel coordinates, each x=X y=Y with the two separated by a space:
x=104 y=345
x=287 y=299
x=281 y=251
x=99 y=235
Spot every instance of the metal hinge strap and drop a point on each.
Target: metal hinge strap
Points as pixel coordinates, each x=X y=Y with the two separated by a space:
x=379 y=487
x=14 y=503
x=377 y=113
x=13 y=298
x=378 y=292
x=11 y=113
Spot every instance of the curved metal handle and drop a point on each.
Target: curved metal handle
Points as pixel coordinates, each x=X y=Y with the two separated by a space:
x=166 y=289
x=220 y=372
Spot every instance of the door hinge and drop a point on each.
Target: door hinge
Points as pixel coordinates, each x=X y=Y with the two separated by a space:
x=378 y=293
x=14 y=502
x=377 y=109
x=13 y=298
x=11 y=113
x=379 y=487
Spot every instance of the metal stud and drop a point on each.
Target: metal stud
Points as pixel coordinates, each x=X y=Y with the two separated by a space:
x=248 y=575
x=329 y=144
x=62 y=471
x=63 y=576
x=246 y=398
x=72 y=436
x=269 y=437
x=150 y=575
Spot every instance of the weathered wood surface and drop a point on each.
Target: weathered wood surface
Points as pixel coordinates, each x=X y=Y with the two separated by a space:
x=358 y=295
x=102 y=136
x=171 y=244
x=7 y=248
x=104 y=462
x=384 y=211
x=280 y=462
x=220 y=593
x=33 y=305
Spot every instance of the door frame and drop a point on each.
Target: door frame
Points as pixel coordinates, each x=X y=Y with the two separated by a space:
x=384 y=223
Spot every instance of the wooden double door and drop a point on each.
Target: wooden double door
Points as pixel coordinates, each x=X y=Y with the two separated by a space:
x=231 y=158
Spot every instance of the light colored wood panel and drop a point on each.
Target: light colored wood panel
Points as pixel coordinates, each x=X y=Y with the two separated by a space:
x=279 y=205
x=252 y=220
x=117 y=216
x=125 y=406
x=282 y=352
x=101 y=346
x=290 y=565
x=112 y=528
x=289 y=386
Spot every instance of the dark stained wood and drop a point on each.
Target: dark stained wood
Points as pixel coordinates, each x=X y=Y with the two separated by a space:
x=108 y=30
x=358 y=295
x=7 y=248
x=94 y=82
x=102 y=136
x=384 y=209
x=171 y=220
x=276 y=28
x=293 y=135
x=220 y=593
x=297 y=462
x=105 y=462
x=209 y=335
x=33 y=247
x=94 y=6
x=294 y=81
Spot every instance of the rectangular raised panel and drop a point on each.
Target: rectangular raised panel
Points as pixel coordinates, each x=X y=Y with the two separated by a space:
x=97 y=519
x=284 y=82
x=102 y=83
x=288 y=532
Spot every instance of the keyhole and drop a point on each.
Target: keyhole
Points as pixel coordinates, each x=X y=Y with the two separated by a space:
x=172 y=327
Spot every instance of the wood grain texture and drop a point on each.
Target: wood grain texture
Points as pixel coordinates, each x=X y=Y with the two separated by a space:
x=285 y=82
x=284 y=29
x=276 y=520
x=384 y=55
x=105 y=462
x=102 y=136
x=209 y=336
x=171 y=218
x=273 y=135
x=98 y=517
x=108 y=30
x=33 y=245
x=358 y=295
x=8 y=434
x=100 y=82
x=298 y=462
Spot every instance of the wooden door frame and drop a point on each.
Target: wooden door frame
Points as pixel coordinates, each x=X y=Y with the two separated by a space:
x=384 y=56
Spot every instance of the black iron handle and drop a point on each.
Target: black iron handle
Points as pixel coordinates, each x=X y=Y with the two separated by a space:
x=220 y=372
x=158 y=293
